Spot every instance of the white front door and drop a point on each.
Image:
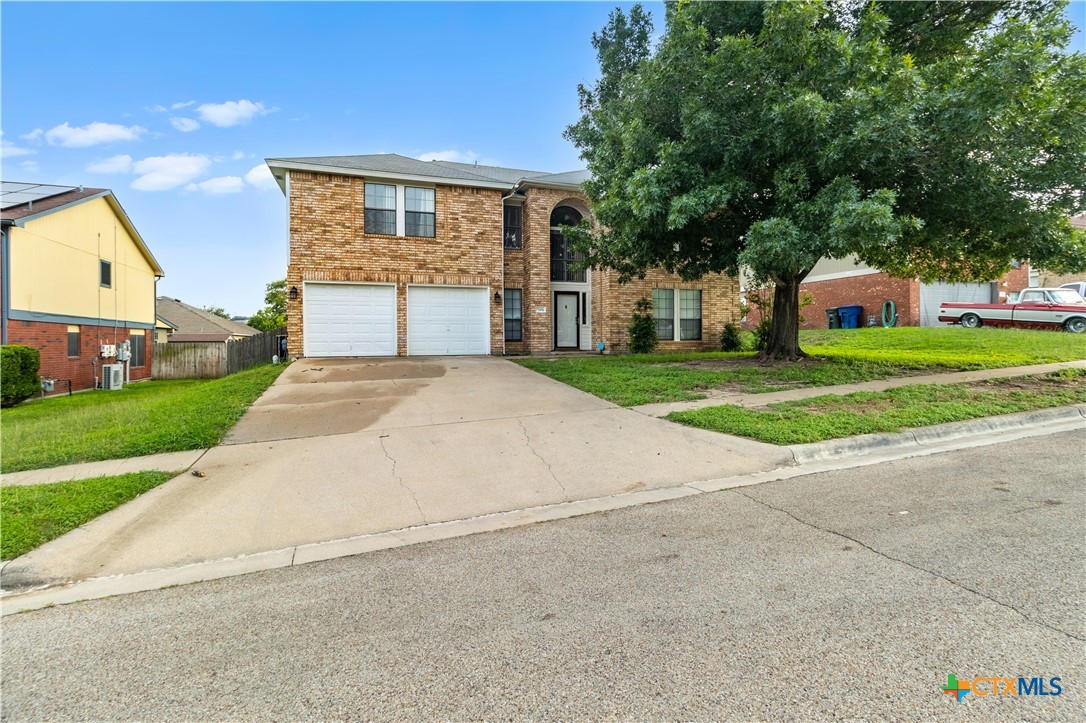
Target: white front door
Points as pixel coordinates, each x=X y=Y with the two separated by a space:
x=349 y=319
x=566 y=319
x=445 y=320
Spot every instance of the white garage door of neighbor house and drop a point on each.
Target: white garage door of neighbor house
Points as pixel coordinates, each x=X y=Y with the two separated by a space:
x=448 y=320
x=350 y=320
x=932 y=295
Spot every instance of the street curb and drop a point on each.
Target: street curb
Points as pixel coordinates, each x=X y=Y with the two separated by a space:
x=954 y=437
x=871 y=443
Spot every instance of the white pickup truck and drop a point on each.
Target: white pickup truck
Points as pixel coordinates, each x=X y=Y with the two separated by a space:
x=1035 y=308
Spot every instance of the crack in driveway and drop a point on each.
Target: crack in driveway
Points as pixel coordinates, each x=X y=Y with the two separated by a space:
x=884 y=555
x=528 y=441
x=399 y=479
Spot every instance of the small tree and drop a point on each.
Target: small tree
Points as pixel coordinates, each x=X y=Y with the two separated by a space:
x=217 y=311
x=274 y=314
x=643 y=339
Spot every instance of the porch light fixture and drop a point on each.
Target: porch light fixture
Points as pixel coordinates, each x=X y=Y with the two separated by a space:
x=293 y=293
x=497 y=298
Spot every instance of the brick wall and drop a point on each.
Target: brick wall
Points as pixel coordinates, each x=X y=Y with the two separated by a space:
x=870 y=291
x=328 y=243
x=613 y=306
x=51 y=341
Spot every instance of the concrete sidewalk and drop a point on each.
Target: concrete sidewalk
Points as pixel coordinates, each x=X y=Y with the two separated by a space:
x=716 y=398
x=165 y=462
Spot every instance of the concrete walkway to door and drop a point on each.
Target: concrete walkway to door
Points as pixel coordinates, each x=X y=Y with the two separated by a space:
x=344 y=447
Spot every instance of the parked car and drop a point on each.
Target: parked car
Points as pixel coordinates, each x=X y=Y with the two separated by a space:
x=1035 y=308
x=1079 y=286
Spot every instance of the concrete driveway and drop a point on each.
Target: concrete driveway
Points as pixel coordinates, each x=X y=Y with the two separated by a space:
x=344 y=447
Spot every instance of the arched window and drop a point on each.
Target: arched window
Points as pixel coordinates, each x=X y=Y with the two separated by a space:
x=563 y=258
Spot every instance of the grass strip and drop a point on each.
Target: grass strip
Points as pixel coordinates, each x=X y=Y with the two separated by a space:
x=35 y=514
x=144 y=418
x=832 y=417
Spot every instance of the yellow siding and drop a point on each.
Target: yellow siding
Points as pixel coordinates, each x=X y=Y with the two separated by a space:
x=54 y=266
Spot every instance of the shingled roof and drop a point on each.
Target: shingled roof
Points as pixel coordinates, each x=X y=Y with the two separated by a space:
x=193 y=324
x=470 y=174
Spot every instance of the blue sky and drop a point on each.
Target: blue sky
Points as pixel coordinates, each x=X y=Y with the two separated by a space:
x=175 y=105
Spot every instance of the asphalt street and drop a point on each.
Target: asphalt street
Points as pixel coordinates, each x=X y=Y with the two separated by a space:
x=850 y=594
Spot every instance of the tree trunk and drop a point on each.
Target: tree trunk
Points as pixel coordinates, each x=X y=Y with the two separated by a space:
x=784 y=334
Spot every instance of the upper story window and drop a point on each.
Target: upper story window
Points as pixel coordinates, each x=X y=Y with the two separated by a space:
x=563 y=257
x=418 y=211
x=511 y=226
x=381 y=209
x=105 y=273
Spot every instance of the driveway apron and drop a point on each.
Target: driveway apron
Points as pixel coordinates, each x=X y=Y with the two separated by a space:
x=344 y=447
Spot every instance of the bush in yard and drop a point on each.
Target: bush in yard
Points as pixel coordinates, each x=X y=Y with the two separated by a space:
x=19 y=378
x=642 y=328
x=731 y=339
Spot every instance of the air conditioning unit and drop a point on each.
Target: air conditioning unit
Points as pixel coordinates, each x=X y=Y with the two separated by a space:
x=112 y=376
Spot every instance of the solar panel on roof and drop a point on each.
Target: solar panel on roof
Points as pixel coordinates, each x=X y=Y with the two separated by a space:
x=16 y=194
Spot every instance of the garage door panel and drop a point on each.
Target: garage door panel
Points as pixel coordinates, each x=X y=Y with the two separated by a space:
x=934 y=294
x=350 y=320
x=448 y=320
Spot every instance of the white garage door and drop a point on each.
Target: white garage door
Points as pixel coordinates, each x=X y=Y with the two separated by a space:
x=931 y=295
x=448 y=320
x=350 y=320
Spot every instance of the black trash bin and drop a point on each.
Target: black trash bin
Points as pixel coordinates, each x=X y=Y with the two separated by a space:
x=833 y=319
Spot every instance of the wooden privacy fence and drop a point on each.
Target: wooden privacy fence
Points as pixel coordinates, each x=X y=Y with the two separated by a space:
x=210 y=360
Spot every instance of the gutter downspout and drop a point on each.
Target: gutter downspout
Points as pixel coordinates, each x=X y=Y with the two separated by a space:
x=5 y=280
x=512 y=192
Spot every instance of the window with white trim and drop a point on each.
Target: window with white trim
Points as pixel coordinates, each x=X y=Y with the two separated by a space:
x=514 y=324
x=380 y=209
x=418 y=211
x=677 y=313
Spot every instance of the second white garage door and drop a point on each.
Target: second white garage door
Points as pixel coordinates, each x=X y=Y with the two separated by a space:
x=934 y=294
x=448 y=320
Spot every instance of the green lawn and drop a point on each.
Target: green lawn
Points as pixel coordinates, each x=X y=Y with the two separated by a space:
x=36 y=514
x=832 y=417
x=145 y=418
x=838 y=357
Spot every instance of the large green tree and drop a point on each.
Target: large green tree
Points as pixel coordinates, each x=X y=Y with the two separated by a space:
x=274 y=314
x=932 y=140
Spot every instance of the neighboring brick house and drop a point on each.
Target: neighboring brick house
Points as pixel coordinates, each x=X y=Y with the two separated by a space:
x=846 y=282
x=390 y=255
x=76 y=276
x=189 y=324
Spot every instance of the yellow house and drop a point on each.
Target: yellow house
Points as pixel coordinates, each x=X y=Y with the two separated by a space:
x=77 y=281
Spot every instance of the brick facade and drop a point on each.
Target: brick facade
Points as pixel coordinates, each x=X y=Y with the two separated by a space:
x=328 y=243
x=51 y=341
x=871 y=291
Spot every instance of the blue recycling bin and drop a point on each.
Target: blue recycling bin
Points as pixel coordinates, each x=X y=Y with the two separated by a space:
x=850 y=316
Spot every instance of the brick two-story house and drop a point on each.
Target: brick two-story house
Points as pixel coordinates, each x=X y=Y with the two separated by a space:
x=391 y=255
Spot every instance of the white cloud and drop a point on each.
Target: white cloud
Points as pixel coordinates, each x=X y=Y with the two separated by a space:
x=238 y=155
x=185 y=125
x=261 y=177
x=92 y=134
x=155 y=108
x=230 y=113
x=162 y=173
x=113 y=164
x=219 y=186
x=186 y=104
x=34 y=135
x=452 y=156
x=30 y=166
x=10 y=150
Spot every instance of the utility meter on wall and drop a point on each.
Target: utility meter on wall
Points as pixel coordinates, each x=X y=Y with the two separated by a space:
x=124 y=351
